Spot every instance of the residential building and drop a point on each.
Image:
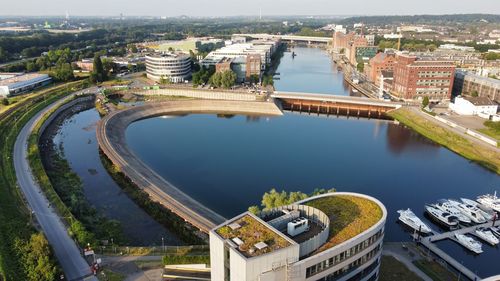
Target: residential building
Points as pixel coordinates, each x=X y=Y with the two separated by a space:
x=416 y=78
x=19 y=83
x=175 y=67
x=467 y=83
x=297 y=242
x=480 y=106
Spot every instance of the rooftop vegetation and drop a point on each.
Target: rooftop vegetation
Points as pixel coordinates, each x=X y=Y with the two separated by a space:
x=349 y=216
x=252 y=232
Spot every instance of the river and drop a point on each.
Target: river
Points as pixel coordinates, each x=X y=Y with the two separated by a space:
x=228 y=163
x=76 y=136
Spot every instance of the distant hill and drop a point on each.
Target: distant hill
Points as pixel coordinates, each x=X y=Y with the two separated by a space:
x=423 y=19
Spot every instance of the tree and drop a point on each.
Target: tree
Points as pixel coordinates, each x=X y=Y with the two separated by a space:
x=3 y=55
x=254 y=209
x=36 y=255
x=474 y=93
x=425 y=102
x=98 y=73
x=63 y=73
x=164 y=80
x=5 y=101
x=267 y=80
x=254 y=79
x=360 y=67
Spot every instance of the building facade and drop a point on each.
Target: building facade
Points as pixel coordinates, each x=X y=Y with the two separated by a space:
x=415 y=79
x=20 y=83
x=174 y=67
x=468 y=84
x=294 y=242
x=379 y=63
x=480 y=106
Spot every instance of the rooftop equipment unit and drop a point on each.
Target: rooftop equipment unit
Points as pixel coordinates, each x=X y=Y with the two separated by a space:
x=297 y=226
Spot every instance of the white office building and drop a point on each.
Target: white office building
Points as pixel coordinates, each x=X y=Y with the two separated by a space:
x=295 y=242
x=263 y=48
x=174 y=67
x=18 y=83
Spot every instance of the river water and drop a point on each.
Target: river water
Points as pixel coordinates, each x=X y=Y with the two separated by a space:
x=228 y=163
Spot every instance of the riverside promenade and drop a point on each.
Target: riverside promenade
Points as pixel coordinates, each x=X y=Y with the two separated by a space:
x=112 y=141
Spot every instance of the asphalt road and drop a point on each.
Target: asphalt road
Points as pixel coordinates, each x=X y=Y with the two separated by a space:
x=66 y=251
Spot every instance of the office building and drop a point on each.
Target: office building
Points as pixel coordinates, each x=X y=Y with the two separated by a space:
x=297 y=242
x=175 y=67
x=18 y=83
x=467 y=83
x=415 y=79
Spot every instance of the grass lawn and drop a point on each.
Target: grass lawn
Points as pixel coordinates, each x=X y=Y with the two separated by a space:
x=108 y=275
x=492 y=129
x=391 y=269
x=349 y=216
x=435 y=270
x=485 y=157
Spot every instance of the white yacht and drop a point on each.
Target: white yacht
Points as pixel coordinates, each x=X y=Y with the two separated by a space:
x=446 y=206
x=469 y=243
x=490 y=201
x=486 y=235
x=409 y=218
x=495 y=231
x=486 y=212
x=444 y=218
x=470 y=211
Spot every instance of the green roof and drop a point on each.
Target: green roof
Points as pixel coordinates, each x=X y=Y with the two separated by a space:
x=251 y=232
x=349 y=216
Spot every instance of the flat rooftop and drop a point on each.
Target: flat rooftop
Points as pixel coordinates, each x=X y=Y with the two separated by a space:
x=252 y=237
x=22 y=78
x=349 y=216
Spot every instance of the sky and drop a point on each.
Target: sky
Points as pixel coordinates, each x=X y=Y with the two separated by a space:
x=245 y=7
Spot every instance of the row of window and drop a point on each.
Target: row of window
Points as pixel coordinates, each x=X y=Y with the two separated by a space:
x=324 y=265
x=353 y=266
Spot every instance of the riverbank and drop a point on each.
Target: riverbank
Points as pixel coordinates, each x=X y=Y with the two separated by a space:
x=19 y=227
x=488 y=158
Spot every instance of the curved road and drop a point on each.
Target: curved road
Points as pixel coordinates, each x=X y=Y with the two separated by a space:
x=65 y=249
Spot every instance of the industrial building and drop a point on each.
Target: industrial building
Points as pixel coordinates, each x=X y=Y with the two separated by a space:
x=171 y=66
x=468 y=84
x=299 y=242
x=18 y=83
x=479 y=106
x=356 y=48
x=415 y=78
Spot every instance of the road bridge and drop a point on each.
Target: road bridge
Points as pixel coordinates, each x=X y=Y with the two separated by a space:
x=291 y=38
x=334 y=105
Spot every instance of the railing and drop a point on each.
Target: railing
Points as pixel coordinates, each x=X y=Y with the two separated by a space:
x=111 y=250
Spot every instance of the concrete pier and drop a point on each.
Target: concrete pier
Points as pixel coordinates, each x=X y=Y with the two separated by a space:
x=112 y=141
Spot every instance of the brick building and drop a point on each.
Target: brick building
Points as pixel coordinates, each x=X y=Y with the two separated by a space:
x=253 y=65
x=223 y=65
x=414 y=79
x=380 y=62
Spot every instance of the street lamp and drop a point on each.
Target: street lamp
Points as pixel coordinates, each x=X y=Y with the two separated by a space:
x=163 y=243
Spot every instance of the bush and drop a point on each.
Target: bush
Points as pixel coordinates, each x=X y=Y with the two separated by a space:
x=177 y=259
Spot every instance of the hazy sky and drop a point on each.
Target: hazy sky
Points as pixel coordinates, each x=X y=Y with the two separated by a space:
x=242 y=7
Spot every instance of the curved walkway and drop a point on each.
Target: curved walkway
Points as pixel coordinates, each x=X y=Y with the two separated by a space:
x=112 y=141
x=65 y=249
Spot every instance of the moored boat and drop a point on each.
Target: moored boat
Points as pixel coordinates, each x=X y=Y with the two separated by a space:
x=490 y=201
x=469 y=243
x=486 y=235
x=446 y=206
x=486 y=212
x=469 y=210
x=409 y=218
x=444 y=218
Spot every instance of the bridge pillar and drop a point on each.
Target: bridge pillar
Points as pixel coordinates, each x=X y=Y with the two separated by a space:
x=319 y=109
x=309 y=110
x=327 y=110
x=338 y=110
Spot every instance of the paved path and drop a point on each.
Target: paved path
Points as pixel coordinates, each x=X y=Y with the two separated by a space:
x=416 y=109
x=66 y=251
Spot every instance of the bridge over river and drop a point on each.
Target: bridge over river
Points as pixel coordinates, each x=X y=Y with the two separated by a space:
x=334 y=105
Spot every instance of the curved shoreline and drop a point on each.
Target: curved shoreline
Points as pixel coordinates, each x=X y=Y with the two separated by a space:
x=111 y=138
